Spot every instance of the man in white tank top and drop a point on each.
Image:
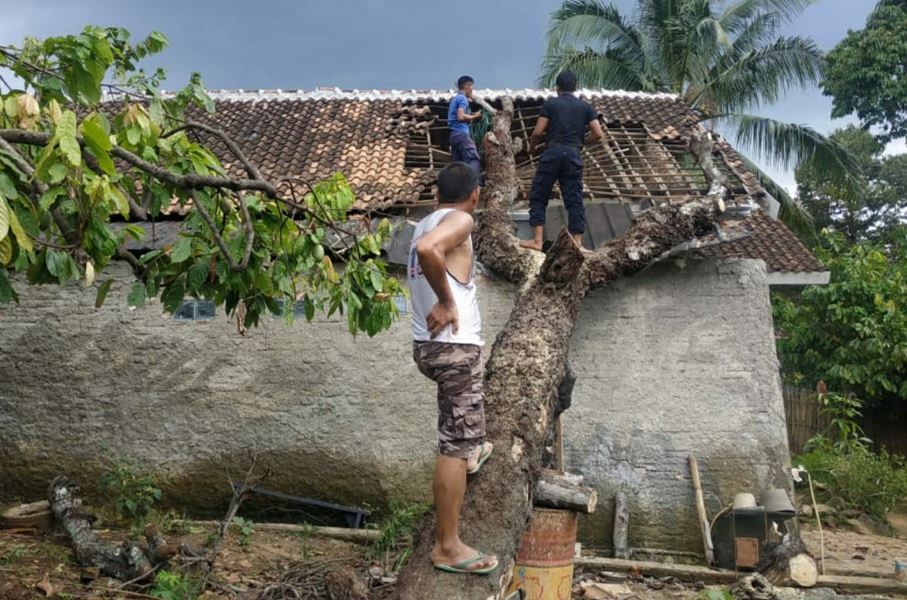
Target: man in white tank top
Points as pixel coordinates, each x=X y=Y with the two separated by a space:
x=447 y=347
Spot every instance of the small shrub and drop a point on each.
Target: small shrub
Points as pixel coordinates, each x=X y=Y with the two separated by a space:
x=134 y=492
x=394 y=529
x=172 y=586
x=864 y=480
x=246 y=529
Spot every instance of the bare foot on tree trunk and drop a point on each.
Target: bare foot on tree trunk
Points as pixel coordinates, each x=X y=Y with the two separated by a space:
x=531 y=244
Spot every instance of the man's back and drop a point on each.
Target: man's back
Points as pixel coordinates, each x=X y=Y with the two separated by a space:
x=568 y=117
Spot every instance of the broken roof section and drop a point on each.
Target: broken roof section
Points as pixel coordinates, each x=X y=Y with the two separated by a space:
x=390 y=145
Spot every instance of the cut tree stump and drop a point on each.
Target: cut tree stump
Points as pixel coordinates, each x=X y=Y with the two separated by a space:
x=526 y=365
x=789 y=564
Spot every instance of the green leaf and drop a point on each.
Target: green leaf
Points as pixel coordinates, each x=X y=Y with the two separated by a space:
x=4 y=217
x=119 y=200
x=22 y=238
x=181 y=250
x=136 y=297
x=66 y=132
x=98 y=141
x=377 y=279
x=48 y=197
x=134 y=134
x=11 y=106
x=6 y=251
x=57 y=173
x=7 y=187
x=6 y=289
x=198 y=274
x=102 y=293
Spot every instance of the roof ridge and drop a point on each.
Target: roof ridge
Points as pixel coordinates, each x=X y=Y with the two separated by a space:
x=324 y=93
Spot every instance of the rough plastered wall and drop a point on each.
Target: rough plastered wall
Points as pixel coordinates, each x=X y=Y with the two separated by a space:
x=670 y=362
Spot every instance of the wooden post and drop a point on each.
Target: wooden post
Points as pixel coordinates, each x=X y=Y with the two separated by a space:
x=621 y=525
x=559 y=450
x=700 y=508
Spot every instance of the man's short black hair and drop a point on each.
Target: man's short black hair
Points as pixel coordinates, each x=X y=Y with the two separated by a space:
x=456 y=183
x=566 y=81
x=462 y=81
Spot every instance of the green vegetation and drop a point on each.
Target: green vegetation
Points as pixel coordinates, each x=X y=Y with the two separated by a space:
x=866 y=72
x=851 y=333
x=134 y=492
x=71 y=162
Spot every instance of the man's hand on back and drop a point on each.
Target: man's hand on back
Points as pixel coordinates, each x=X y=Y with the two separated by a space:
x=440 y=316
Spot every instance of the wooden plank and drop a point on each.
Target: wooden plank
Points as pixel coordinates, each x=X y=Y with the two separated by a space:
x=654 y=569
x=361 y=536
x=862 y=585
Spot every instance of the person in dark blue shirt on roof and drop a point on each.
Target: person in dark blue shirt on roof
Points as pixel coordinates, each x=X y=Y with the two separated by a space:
x=565 y=118
x=462 y=146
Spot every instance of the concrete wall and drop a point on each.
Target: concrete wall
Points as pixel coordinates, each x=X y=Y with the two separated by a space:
x=670 y=362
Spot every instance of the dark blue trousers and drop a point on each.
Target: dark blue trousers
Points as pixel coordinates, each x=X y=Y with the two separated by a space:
x=565 y=166
x=463 y=149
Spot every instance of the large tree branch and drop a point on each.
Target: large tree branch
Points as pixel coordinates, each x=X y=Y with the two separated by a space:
x=190 y=182
x=496 y=246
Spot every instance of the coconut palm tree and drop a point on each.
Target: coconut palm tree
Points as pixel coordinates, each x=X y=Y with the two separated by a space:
x=722 y=62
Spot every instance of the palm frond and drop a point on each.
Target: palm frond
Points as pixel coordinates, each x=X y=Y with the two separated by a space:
x=762 y=76
x=593 y=70
x=739 y=14
x=582 y=23
x=787 y=145
x=792 y=213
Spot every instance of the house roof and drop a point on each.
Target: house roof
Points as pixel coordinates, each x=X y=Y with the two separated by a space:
x=390 y=144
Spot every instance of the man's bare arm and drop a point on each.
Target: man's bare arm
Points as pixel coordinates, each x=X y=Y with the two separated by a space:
x=538 y=134
x=462 y=116
x=595 y=132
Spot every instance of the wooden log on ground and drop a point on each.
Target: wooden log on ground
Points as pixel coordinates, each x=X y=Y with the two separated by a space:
x=789 y=564
x=689 y=573
x=127 y=562
x=621 y=525
x=554 y=491
x=862 y=585
x=357 y=536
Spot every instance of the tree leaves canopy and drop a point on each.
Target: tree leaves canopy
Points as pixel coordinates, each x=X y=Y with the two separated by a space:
x=867 y=72
x=87 y=138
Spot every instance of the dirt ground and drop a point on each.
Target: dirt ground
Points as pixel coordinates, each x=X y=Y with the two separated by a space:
x=41 y=565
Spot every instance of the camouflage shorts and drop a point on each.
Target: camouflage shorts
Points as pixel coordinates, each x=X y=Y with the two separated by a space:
x=457 y=369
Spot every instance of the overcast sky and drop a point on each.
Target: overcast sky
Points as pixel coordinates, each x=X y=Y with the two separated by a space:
x=372 y=44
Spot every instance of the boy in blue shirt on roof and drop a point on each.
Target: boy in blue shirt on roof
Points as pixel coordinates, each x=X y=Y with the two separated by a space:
x=462 y=147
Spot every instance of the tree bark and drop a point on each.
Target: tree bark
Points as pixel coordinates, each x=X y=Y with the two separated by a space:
x=527 y=363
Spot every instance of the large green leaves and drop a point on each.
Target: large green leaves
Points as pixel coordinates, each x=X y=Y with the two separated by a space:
x=851 y=333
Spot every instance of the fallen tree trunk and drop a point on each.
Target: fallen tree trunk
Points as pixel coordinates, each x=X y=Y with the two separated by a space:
x=527 y=363
x=127 y=561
